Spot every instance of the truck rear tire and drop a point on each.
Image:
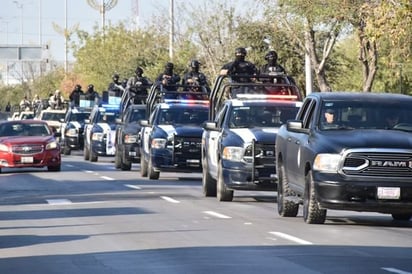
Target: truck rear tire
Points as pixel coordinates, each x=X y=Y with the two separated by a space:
x=285 y=208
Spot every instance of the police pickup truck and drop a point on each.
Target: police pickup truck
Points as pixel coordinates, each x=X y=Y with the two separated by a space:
x=100 y=130
x=346 y=151
x=72 y=129
x=171 y=137
x=128 y=136
x=238 y=141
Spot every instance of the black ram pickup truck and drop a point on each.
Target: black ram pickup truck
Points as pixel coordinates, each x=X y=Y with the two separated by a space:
x=346 y=151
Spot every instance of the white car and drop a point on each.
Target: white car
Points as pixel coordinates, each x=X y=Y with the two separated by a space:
x=53 y=117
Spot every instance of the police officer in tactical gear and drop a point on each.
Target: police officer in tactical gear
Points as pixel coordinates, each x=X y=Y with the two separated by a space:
x=272 y=66
x=116 y=85
x=168 y=78
x=194 y=77
x=137 y=86
x=75 y=95
x=239 y=67
x=92 y=94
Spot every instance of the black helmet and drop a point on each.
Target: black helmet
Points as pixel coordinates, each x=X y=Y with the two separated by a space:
x=90 y=86
x=139 y=71
x=78 y=86
x=194 y=64
x=271 y=55
x=169 y=65
x=240 y=52
x=115 y=76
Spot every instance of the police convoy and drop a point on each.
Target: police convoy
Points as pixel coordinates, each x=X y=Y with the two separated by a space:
x=228 y=134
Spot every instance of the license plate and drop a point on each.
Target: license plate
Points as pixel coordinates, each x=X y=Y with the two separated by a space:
x=26 y=160
x=389 y=193
x=132 y=153
x=193 y=161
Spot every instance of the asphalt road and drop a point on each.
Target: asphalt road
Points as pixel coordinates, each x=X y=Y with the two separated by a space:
x=92 y=218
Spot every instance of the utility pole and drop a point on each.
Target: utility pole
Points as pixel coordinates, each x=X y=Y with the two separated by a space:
x=66 y=33
x=172 y=29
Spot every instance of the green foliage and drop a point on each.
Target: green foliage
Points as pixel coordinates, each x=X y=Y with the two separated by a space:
x=48 y=83
x=118 y=51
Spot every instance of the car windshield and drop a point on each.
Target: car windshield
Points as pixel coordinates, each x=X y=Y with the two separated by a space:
x=20 y=129
x=52 y=116
x=138 y=114
x=80 y=117
x=108 y=117
x=183 y=116
x=364 y=115
x=261 y=116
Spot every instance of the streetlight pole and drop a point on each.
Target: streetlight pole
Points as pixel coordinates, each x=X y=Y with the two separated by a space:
x=40 y=19
x=172 y=29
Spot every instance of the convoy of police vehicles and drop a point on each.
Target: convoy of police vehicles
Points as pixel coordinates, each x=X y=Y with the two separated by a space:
x=256 y=135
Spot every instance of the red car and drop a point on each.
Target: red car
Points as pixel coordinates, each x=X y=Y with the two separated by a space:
x=28 y=143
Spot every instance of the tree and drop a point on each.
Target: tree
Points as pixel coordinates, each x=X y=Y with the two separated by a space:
x=315 y=26
x=118 y=51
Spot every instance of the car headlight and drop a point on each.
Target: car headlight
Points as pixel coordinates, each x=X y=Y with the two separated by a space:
x=97 y=136
x=233 y=153
x=4 y=148
x=130 y=139
x=327 y=162
x=72 y=132
x=158 y=143
x=51 y=145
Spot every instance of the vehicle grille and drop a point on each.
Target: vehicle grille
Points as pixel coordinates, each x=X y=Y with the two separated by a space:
x=378 y=164
x=187 y=146
x=263 y=158
x=27 y=149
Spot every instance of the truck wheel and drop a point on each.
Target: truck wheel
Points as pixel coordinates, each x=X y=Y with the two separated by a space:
x=151 y=173
x=66 y=149
x=117 y=159
x=312 y=214
x=223 y=193
x=93 y=156
x=143 y=166
x=125 y=164
x=86 y=153
x=208 y=183
x=402 y=217
x=285 y=208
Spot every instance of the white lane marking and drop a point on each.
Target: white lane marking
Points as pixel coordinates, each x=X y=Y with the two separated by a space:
x=107 y=178
x=170 y=199
x=394 y=270
x=290 y=238
x=218 y=215
x=59 y=202
x=88 y=171
x=132 y=186
x=69 y=165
